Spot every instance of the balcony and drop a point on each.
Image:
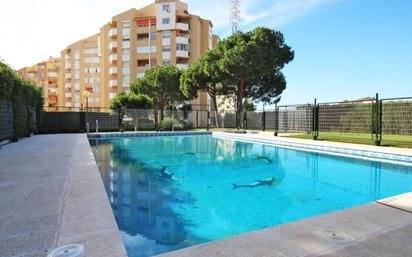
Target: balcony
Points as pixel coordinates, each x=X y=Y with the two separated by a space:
x=113 y=58
x=52 y=101
x=182 y=54
x=113 y=24
x=113 y=46
x=166 y=41
x=182 y=66
x=166 y=55
x=112 y=32
x=126 y=44
x=182 y=40
x=113 y=83
x=182 y=26
x=113 y=70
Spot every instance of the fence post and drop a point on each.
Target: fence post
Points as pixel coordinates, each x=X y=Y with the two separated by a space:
x=82 y=121
x=197 y=119
x=315 y=127
x=263 y=121
x=276 y=120
x=244 y=125
x=377 y=121
x=208 y=120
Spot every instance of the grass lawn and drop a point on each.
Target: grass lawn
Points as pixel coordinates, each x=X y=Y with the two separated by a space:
x=361 y=138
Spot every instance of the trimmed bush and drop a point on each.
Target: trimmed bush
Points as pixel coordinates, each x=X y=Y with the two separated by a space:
x=169 y=124
x=22 y=94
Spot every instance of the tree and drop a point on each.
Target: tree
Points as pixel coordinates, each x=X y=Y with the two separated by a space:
x=204 y=75
x=125 y=101
x=161 y=84
x=253 y=62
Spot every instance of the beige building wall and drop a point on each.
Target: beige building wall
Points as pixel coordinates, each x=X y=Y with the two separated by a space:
x=81 y=76
x=162 y=33
x=46 y=75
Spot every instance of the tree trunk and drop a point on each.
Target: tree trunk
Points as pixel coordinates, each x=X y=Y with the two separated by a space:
x=162 y=114
x=156 y=112
x=214 y=99
x=240 y=103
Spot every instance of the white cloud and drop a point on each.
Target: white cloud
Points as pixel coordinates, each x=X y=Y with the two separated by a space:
x=35 y=29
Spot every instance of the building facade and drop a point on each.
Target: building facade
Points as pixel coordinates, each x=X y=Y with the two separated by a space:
x=81 y=72
x=46 y=75
x=95 y=69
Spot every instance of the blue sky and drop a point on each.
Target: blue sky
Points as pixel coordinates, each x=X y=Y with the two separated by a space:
x=345 y=49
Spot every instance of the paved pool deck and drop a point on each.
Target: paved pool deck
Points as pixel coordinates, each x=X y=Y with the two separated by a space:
x=52 y=195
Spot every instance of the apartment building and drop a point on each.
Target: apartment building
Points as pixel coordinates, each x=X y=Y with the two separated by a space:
x=46 y=75
x=162 y=33
x=81 y=72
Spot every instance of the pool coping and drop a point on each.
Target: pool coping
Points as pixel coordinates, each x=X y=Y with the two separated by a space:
x=87 y=217
x=399 y=156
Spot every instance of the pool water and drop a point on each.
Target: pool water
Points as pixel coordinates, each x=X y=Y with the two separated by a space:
x=169 y=193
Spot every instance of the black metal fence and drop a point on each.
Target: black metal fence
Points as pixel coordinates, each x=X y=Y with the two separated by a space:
x=366 y=120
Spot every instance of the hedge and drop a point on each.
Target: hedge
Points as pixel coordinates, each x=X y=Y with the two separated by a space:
x=23 y=94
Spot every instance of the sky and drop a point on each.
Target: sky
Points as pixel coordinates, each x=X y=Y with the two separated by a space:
x=344 y=49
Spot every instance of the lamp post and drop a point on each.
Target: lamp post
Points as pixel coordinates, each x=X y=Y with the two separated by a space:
x=86 y=94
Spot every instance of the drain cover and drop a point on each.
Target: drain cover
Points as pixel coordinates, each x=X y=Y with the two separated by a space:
x=73 y=250
x=334 y=235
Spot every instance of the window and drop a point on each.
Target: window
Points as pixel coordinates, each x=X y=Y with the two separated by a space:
x=153 y=36
x=167 y=62
x=126 y=64
x=126 y=38
x=166 y=21
x=140 y=75
x=182 y=47
x=96 y=90
x=90 y=51
x=126 y=52
x=166 y=34
x=126 y=32
x=125 y=24
x=166 y=7
x=92 y=70
x=145 y=49
x=77 y=54
x=126 y=78
x=166 y=49
x=91 y=60
x=142 y=36
x=76 y=65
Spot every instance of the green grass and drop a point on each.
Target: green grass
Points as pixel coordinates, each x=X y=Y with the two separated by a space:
x=361 y=138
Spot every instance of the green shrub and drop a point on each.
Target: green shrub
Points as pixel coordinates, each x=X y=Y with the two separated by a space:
x=169 y=124
x=22 y=94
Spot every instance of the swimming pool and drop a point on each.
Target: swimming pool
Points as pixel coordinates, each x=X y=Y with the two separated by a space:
x=172 y=192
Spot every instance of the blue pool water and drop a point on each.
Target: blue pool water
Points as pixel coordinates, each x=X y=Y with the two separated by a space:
x=158 y=214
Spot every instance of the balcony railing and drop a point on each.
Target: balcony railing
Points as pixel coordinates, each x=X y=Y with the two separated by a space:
x=182 y=66
x=113 y=83
x=182 y=26
x=112 y=32
x=182 y=40
x=182 y=53
x=113 y=70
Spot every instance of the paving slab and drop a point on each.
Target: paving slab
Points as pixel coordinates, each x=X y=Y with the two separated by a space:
x=54 y=195
x=337 y=233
